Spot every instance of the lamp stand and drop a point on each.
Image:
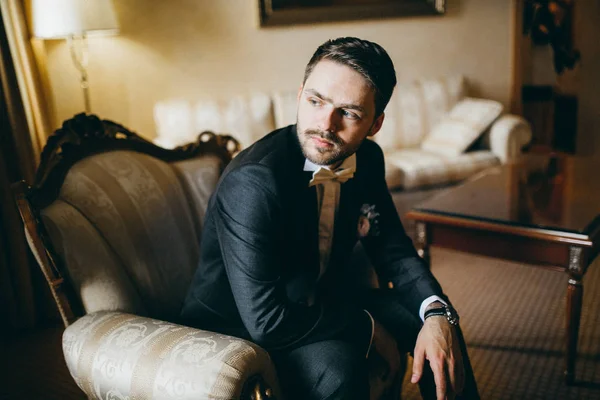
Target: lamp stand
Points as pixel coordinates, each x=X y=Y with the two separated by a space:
x=79 y=55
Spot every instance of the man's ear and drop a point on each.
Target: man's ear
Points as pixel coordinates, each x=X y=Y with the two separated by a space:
x=377 y=125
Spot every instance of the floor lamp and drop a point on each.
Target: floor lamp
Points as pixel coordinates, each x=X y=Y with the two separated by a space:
x=74 y=20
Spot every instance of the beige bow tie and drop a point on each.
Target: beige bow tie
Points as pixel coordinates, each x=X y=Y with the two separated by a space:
x=325 y=175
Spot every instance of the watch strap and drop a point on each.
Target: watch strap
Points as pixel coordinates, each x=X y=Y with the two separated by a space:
x=441 y=311
x=445 y=311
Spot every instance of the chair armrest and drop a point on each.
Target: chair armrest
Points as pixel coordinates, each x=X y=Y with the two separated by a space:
x=508 y=135
x=118 y=355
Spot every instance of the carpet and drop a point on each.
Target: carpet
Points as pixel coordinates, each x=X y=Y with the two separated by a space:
x=513 y=318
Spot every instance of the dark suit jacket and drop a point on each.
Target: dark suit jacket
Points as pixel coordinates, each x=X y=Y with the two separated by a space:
x=260 y=254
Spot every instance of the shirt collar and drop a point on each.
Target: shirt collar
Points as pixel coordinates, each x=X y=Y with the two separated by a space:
x=349 y=162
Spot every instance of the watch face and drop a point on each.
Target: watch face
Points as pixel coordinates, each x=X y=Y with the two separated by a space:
x=452 y=315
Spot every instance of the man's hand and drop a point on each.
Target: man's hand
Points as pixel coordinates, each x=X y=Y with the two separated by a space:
x=438 y=343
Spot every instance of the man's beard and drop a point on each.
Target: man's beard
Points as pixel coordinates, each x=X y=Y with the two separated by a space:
x=327 y=156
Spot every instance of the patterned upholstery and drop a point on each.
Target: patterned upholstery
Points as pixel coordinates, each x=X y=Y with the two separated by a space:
x=123 y=356
x=414 y=111
x=411 y=168
x=461 y=126
x=126 y=226
x=507 y=137
x=415 y=108
x=285 y=105
x=199 y=178
x=95 y=270
x=128 y=229
x=178 y=122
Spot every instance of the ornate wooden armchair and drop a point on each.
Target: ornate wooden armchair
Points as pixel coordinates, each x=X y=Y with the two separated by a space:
x=114 y=222
x=115 y=225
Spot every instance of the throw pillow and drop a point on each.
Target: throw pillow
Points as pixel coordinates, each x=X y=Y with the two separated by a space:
x=467 y=120
x=415 y=108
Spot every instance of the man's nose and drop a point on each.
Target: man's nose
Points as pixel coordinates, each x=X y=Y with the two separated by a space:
x=329 y=120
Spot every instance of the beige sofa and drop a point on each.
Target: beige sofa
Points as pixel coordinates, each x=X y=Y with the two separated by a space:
x=415 y=111
x=115 y=225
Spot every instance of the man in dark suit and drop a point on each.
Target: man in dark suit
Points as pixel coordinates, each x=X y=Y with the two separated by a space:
x=279 y=235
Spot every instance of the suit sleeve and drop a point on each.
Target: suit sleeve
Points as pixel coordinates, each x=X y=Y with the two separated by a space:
x=391 y=251
x=250 y=230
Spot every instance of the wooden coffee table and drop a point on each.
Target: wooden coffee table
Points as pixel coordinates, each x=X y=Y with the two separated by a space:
x=542 y=211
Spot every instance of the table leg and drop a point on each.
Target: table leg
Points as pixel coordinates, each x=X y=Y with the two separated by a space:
x=574 y=302
x=422 y=244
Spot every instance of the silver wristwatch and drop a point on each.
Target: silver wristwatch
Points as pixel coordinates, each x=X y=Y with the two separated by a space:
x=448 y=311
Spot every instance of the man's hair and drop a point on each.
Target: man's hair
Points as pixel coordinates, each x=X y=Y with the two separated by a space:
x=367 y=58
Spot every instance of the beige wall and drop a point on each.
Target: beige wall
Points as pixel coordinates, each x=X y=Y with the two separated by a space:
x=195 y=49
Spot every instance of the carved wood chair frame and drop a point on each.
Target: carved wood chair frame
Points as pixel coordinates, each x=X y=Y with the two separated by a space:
x=78 y=138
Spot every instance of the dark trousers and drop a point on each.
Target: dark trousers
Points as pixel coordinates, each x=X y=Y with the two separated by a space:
x=337 y=369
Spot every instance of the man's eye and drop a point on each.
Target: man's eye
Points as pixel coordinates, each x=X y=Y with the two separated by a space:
x=349 y=114
x=314 y=102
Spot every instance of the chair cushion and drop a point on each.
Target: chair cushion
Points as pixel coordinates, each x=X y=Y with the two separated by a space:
x=96 y=272
x=411 y=168
x=123 y=215
x=467 y=120
x=199 y=177
x=248 y=118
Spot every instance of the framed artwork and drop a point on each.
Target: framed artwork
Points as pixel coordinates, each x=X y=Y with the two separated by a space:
x=289 y=12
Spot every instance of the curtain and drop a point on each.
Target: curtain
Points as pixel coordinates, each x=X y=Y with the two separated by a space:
x=27 y=73
x=24 y=297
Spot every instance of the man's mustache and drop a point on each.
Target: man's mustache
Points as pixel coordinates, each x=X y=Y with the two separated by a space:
x=326 y=135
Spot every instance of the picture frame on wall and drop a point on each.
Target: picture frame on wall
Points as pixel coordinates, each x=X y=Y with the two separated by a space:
x=291 y=12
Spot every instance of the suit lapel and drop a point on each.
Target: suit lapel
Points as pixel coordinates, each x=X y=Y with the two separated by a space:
x=345 y=221
x=311 y=228
x=304 y=209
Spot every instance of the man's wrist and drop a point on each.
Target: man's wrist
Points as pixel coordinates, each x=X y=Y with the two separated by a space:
x=435 y=304
x=425 y=304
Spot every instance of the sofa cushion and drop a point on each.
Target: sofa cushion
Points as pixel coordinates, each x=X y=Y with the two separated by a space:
x=416 y=107
x=412 y=168
x=285 y=105
x=174 y=123
x=458 y=129
x=247 y=118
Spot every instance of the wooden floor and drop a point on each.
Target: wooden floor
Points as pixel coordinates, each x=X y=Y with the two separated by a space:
x=33 y=368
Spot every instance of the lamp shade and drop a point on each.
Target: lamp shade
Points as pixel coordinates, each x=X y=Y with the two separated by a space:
x=52 y=19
